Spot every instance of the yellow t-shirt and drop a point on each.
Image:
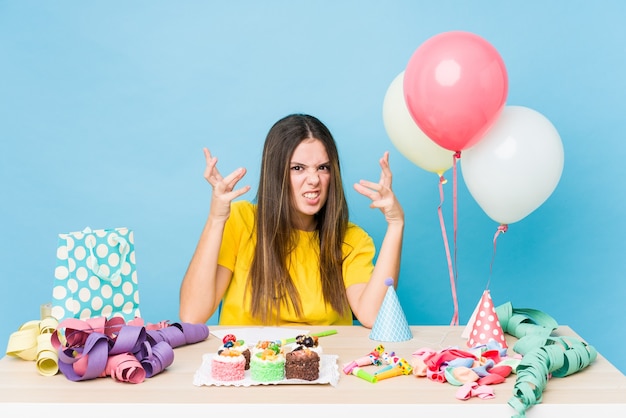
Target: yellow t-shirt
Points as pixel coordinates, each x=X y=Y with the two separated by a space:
x=236 y=255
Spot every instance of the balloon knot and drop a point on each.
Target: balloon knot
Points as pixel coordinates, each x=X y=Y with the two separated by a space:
x=442 y=180
x=503 y=228
x=457 y=154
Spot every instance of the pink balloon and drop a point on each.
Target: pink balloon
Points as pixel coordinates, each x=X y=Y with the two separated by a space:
x=455 y=87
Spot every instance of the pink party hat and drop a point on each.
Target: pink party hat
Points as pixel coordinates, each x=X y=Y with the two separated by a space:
x=486 y=326
x=391 y=324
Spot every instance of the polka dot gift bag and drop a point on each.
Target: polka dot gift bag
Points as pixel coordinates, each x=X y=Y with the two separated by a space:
x=95 y=275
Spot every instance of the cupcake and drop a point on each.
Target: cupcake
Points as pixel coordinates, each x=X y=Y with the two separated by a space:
x=302 y=363
x=228 y=365
x=232 y=343
x=267 y=362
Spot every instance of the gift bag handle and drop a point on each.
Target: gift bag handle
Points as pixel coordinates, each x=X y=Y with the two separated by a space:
x=97 y=269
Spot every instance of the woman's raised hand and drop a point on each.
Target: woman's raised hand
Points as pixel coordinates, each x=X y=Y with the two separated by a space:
x=224 y=191
x=381 y=194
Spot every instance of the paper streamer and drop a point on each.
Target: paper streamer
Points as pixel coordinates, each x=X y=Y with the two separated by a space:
x=100 y=347
x=543 y=355
x=31 y=342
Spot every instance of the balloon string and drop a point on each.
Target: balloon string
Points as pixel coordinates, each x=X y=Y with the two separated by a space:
x=457 y=155
x=455 y=317
x=501 y=230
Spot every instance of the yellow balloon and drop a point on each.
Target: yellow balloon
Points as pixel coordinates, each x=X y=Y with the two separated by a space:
x=407 y=137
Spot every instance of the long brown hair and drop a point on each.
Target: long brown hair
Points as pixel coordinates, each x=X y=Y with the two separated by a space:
x=269 y=279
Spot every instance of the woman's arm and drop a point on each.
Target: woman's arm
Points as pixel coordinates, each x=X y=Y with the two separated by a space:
x=205 y=282
x=366 y=298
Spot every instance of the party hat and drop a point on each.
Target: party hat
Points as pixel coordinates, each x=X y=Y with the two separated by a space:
x=486 y=325
x=391 y=323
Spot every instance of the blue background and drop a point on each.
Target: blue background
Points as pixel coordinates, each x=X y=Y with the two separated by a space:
x=105 y=107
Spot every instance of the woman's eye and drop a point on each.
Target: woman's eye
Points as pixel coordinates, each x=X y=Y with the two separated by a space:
x=296 y=167
x=324 y=167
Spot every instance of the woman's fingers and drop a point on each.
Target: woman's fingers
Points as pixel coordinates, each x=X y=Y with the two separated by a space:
x=211 y=173
x=385 y=175
x=230 y=182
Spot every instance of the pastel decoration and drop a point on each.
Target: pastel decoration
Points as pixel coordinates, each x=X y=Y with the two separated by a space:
x=516 y=166
x=391 y=324
x=474 y=389
x=32 y=342
x=559 y=357
x=457 y=376
x=542 y=354
x=486 y=326
x=455 y=86
x=407 y=137
x=531 y=327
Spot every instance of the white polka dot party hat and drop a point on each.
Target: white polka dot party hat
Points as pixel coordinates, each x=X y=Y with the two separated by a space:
x=486 y=325
x=391 y=324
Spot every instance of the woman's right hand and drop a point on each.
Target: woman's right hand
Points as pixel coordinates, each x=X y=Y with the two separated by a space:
x=224 y=191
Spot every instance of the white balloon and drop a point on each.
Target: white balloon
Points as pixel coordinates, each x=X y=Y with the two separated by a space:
x=516 y=166
x=407 y=137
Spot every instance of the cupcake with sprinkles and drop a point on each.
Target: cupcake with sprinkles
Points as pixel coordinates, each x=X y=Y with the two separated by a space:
x=309 y=341
x=232 y=343
x=228 y=364
x=267 y=362
x=303 y=362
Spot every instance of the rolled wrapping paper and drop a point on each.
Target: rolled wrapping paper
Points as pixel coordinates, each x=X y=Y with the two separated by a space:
x=181 y=333
x=124 y=368
x=129 y=339
x=32 y=342
x=23 y=342
x=98 y=347
x=87 y=362
x=359 y=372
x=80 y=349
x=156 y=358
x=47 y=358
x=172 y=335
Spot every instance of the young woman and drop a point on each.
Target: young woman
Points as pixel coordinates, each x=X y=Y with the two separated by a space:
x=292 y=256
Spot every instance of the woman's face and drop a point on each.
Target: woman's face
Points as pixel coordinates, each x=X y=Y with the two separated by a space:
x=310 y=178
